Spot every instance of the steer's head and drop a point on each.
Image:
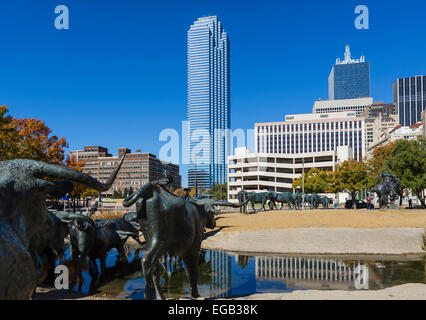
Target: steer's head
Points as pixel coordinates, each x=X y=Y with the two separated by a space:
x=83 y=232
x=211 y=220
x=23 y=191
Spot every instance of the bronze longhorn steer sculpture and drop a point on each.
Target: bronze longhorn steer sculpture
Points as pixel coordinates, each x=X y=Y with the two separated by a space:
x=262 y=198
x=94 y=239
x=172 y=225
x=23 y=215
x=50 y=242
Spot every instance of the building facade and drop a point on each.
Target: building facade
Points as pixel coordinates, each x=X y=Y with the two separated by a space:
x=260 y=172
x=306 y=133
x=409 y=96
x=208 y=102
x=399 y=132
x=349 y=79
x=330 y=106
x=379 y=118
x=137 y=168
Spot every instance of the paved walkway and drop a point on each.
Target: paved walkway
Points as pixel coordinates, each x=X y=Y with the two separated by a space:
x=390 y=241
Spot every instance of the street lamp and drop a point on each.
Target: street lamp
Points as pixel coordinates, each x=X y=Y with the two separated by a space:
x=303 y=182
x=130 y=184
x=196 y=184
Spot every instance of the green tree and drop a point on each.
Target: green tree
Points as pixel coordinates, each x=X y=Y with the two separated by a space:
x=219 y=191
x=408 y=163
x=350 y=176
x=317 y=181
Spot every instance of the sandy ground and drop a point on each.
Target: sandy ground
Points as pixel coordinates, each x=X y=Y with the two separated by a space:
x=320 y=232
x=340 y=218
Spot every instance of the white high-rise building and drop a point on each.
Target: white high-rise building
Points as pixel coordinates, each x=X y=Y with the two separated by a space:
x=344 y=105
x=306 y=133
x=208 y=102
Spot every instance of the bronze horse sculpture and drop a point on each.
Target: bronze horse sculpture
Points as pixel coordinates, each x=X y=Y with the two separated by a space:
x=387 y=190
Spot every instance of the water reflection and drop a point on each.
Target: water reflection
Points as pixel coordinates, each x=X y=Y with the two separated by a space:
x=224 y=275
x=313 y=273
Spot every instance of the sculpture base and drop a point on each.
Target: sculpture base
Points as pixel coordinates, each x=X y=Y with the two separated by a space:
x=393 y=206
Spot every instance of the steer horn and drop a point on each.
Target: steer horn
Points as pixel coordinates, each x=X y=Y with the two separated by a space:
x=42 y=169
x=69 y=216
x=130 y=200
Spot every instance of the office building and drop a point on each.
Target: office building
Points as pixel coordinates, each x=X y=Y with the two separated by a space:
x=137 y=169
x=260 y=172
x=409 y=96
x=350 y=78
x=399 y=132
x=208 y=102
x=330 y=106
x=306 y=133
x=379 y=118
x=424 y=123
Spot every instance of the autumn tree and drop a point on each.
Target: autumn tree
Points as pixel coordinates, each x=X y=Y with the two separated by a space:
x=192 y=191
x=79 y=188
x=7 y=135
x=351 y=176
x=377 y=162
x=182 y=192
x=29 y=139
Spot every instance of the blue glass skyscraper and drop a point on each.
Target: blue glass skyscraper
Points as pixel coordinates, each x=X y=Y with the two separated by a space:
x=208 y=102
x=409 y=96
x=349 y=79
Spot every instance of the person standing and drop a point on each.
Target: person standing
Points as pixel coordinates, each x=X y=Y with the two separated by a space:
x=369 y=207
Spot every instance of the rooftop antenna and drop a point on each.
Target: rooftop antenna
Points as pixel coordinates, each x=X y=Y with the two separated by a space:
x=347 y=53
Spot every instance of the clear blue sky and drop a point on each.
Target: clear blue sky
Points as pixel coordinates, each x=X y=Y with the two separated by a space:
x=117 y=77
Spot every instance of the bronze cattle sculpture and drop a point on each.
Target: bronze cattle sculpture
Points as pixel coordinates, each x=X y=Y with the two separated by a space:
x=23 y=214
x=94 y=239
x=261 y=198
x=172 y=225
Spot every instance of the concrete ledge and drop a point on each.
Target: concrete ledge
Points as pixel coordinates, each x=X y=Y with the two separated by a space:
x=393 y=241
x=412 y=291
